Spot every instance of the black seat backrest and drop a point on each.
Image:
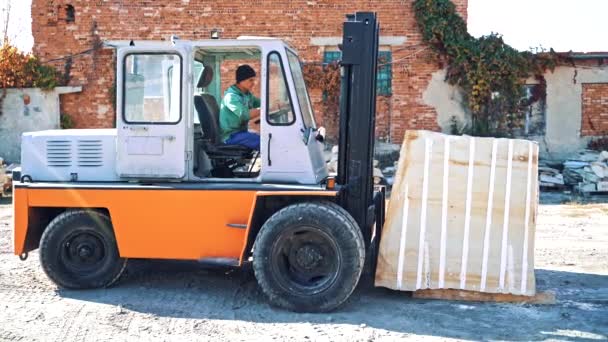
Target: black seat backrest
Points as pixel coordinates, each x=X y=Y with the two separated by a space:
x=212 y=105
x=208 y=122
x=207 y=108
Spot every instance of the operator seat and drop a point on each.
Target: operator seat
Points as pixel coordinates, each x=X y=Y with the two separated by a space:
x=207 y=110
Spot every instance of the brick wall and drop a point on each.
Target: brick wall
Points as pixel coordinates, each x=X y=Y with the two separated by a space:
x=294 y=21
x=595 y=109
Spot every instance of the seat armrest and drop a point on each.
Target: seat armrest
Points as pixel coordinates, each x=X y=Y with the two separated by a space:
x=233 y=148
x=228 y=151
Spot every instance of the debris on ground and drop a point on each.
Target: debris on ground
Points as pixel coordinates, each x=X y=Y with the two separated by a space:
x=5 y=178
x=378 y=176
x=387 y=155
x=385 y=161
x=331 y=158
x=550 y=177
x=587 y=171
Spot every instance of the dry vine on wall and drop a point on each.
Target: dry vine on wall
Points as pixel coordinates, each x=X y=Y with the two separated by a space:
x=21 y=70
x=326 y=77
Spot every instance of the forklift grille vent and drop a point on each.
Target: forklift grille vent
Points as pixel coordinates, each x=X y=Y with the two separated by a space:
x=58 y=153
x=90 y=153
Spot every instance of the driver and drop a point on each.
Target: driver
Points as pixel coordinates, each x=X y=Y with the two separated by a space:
x=238 y=107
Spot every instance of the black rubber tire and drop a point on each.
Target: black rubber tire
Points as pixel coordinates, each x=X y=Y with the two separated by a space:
x=71 y=224
x=338 y=228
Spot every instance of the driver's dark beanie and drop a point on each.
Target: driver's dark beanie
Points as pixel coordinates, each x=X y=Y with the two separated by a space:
x=244 y=72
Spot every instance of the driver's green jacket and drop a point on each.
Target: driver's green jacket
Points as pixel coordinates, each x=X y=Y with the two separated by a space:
x=234 y=111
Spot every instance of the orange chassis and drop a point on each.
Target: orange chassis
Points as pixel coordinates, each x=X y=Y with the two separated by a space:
x=194 y=221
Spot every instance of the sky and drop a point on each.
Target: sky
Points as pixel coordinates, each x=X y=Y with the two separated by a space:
x=564 y=25
x=19 y=24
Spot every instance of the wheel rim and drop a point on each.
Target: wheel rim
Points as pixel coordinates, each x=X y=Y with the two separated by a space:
x=83 y=252
x=305 y=259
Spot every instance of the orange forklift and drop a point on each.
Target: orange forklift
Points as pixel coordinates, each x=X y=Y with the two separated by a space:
x=162 y=184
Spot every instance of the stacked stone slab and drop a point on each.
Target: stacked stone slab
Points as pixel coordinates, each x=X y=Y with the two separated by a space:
x=462 y=215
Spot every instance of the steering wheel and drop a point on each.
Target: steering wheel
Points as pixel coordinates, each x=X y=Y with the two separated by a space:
x=279 y=112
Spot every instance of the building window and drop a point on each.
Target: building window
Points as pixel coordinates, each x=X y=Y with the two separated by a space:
x=331 y=56
x=385 y=70
x=70 y=14
x=385 y=73
x=535 y=113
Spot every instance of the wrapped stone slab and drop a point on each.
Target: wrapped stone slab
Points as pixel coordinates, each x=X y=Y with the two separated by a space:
x=462 y=215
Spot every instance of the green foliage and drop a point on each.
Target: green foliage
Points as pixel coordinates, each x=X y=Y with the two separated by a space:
x=454 y=130
x=66 y=121
x=46 y=77
x=489 y=72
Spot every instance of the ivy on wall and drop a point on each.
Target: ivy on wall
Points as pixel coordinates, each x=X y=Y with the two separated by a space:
x=489 y=72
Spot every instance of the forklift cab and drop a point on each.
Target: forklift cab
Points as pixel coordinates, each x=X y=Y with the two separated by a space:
x=169 y=95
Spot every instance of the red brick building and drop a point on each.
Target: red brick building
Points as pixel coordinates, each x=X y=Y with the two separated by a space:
x=595 y=109
x=594 y=96
x=76 y=27
x=576 y=107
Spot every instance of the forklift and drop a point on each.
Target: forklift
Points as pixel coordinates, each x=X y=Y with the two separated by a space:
x=163 y=185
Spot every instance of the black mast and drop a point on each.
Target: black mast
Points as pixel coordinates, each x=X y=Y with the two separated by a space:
x=357 y=117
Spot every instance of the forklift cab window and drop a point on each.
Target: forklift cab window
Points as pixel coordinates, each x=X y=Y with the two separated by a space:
x=152 y=88
x=301 y=92
x=280 y=109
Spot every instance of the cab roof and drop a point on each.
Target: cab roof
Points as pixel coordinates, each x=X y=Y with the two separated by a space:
x=240 y=41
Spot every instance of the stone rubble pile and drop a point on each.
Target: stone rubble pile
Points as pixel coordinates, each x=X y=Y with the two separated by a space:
x=385 y=162
x=585 y=172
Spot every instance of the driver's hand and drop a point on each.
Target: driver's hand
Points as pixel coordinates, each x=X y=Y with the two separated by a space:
x=254 y=114
x=254 y=125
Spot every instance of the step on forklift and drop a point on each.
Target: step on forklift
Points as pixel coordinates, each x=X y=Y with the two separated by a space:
x=162 y=185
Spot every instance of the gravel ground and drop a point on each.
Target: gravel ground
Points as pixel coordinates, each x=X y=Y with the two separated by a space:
x=164 y=300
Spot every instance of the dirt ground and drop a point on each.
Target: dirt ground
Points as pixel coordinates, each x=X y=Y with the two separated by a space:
x=162 y=300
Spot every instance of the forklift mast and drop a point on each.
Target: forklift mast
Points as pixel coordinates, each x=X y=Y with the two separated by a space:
x=357 y=118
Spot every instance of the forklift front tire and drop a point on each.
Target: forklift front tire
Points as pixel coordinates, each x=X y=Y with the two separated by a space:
x=78 y=250
x=308 y=257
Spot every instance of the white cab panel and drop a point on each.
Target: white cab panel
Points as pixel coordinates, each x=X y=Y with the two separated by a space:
x=69 y=155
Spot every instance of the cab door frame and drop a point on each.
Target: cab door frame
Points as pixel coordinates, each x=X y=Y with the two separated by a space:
x=152 y=150
x=292 y=153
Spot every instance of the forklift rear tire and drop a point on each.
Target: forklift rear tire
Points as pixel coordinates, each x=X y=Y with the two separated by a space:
x=308 y=257
x=78 y=250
